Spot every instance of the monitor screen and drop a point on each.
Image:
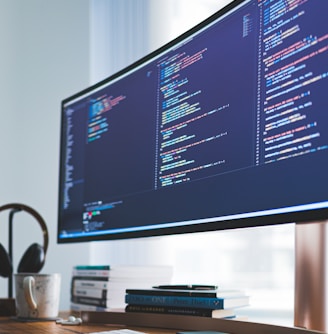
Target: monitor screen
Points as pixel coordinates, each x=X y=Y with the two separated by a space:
x=224 y=127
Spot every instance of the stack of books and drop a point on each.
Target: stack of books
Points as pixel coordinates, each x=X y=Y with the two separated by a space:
x=102 y=288
x=214 y=303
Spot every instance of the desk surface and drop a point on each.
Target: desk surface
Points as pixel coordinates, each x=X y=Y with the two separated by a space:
x=150 y=324
x=8 y=325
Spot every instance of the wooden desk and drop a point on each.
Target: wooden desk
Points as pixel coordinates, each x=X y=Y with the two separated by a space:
x=13 y=326
x=151 y=324
x=8 y=325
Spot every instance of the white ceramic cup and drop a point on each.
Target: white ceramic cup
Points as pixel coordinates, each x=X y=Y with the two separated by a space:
x=37 y=295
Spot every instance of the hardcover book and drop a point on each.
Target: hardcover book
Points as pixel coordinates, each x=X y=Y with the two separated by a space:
x=187 y=301
x=199 y=312
x=193 y=293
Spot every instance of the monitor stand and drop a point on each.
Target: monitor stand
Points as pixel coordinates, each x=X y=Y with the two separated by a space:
x=310 y=275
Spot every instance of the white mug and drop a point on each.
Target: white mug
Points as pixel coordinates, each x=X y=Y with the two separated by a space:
x=37 y=295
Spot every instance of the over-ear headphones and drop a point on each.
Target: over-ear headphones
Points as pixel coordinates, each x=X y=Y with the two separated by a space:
x=34 y=257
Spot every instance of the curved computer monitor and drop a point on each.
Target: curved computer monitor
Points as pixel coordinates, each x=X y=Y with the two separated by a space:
x=224 y=127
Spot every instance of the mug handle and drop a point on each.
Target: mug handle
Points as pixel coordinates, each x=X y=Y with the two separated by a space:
x=28 y=284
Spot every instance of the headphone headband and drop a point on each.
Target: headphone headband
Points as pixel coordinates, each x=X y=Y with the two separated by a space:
x=35 y=214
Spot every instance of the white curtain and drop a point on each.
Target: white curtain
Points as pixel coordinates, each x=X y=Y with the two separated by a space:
x=119 y=35
x=123 y=31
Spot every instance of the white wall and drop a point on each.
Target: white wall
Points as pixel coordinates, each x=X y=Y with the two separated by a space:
x=44 y=58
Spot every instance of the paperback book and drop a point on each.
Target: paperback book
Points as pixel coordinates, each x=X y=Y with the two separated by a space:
x=89 y=283
x=91 y=271
x=102 y=302
x=85 y=307
x=92 y=293
x=103 y=287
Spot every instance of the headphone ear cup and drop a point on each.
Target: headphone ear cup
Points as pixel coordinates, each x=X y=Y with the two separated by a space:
x=32 y=260
x=6 y=268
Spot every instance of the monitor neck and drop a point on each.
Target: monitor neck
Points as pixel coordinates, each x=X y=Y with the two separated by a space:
x=310 y=276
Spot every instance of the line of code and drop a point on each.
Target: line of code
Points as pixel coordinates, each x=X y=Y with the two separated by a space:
x=181 y=110
x=291 y=59
x=98 y=116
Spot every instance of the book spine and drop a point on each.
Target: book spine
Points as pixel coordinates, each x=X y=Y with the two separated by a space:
x=187 y=293
x=92 y=293
x=169 y=310
x=90 y=301
x=91 y=267
x=89 y=284
x=184 y=293
x=90 y=278
x=90 y=272
x=84 y=307
x=196 y=302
